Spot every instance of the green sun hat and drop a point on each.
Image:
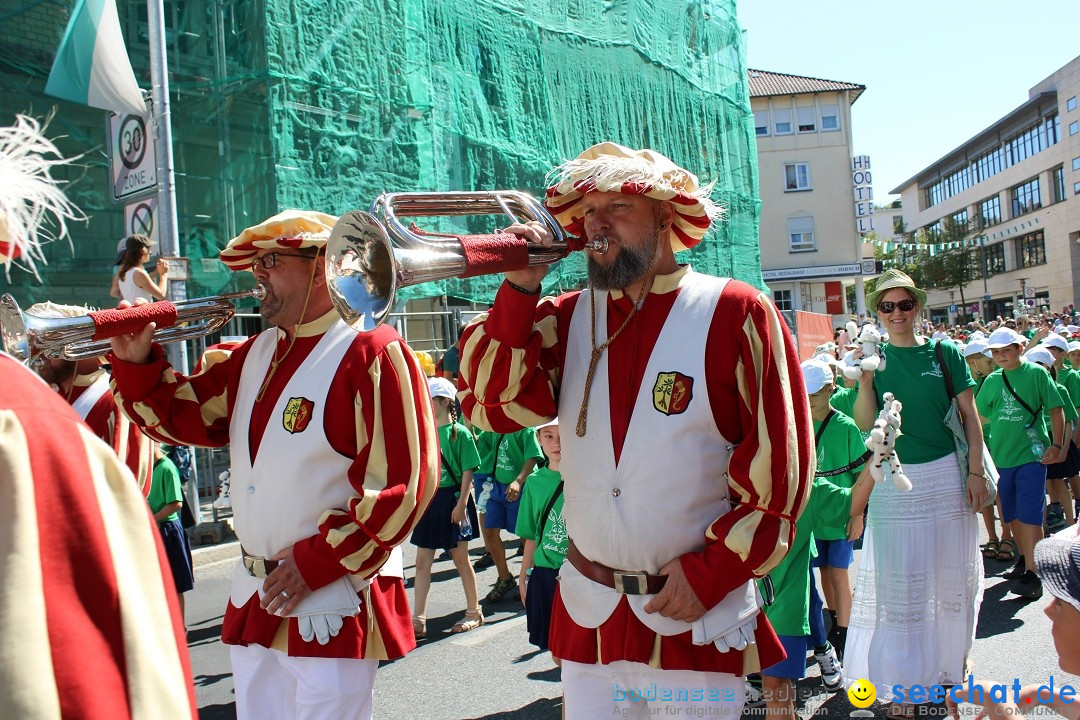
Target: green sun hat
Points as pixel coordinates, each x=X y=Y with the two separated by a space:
x=890 y=280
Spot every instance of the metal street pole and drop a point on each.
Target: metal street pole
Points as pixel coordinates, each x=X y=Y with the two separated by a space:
x=168 y=236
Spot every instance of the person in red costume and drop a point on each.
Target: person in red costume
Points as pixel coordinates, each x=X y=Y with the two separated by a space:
x=334 y=459
x=90 y=628
x=84 y=385
x=685 y=439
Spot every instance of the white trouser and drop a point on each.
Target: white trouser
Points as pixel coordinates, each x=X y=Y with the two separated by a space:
x=270 y=685
x=634 y=690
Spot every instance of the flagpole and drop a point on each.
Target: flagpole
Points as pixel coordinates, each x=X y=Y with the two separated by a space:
x=168 y=237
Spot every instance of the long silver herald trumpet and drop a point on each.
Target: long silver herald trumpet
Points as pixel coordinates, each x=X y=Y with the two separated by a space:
x=370 y=256
x=27 y=336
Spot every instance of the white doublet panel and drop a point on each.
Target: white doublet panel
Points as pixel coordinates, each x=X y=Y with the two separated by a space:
x=278 y=498
x=670 y=483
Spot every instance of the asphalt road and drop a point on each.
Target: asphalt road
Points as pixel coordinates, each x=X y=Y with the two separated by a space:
x=493 y=673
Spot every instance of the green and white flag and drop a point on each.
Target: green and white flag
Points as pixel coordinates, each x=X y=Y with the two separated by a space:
x=92 y=66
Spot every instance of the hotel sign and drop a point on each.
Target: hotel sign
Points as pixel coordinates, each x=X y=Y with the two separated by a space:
x=861 y=180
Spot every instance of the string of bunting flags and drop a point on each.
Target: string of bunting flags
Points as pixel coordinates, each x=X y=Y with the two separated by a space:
x=887 y=246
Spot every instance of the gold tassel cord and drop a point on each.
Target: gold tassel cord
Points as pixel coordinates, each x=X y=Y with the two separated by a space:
x=598 y=351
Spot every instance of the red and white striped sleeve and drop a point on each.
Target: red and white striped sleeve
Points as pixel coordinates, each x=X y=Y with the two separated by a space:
x=88 y=610
x=759 y=401
x=179 y=410
x=380 y=414
x=511 y=361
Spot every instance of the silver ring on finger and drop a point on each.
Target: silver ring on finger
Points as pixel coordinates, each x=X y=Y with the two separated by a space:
x=285 y=594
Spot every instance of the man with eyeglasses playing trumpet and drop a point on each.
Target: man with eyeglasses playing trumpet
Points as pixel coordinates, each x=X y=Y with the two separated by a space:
x=687 y=447
x=84 y=385
x=334 y=459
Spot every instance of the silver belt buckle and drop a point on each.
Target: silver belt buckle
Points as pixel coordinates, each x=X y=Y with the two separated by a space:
x=255 y=566
x=631 y=583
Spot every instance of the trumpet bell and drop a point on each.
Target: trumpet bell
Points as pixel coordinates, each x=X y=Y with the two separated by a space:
x=13 y=333
x=361 y=271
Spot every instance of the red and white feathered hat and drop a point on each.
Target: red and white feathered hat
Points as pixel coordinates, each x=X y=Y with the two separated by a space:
x=29 y=194
x=287 y=230
x=609 y=167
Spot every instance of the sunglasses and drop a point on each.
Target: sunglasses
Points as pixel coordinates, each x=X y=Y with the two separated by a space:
x=887 y=306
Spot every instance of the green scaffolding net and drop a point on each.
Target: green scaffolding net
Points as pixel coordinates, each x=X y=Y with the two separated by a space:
x=325 y=104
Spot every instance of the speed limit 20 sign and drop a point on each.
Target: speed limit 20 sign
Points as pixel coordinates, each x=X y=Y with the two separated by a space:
x=131 y=157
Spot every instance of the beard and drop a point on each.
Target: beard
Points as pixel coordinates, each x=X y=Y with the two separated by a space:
x=629 y=266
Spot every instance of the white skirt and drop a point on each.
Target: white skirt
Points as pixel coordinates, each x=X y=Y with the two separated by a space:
x=919 y=585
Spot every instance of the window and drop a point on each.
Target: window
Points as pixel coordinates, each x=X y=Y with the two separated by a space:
x=1076 y=164
x=933 y=230
x=990 y=211
x=807 y=119
x=1032 y=249
x=1026 y=198
x=782 y=300
x=1076 y=188
x=989 y=164
x=898 y=225
x=1035 y=139
x=801 y=234
x=761 y=122
x=782 y=121
x=960 y=218
x=954 y=183
x=1070 y=104
x=797 y=176
x=1058 y=175
x=830 y=118
x=994 y=258
x=1074 y=127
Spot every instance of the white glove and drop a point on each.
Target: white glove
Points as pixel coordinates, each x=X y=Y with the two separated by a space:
x=321 y=626
x=738 y=638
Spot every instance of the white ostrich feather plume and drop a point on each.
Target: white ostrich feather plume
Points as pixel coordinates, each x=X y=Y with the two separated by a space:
x=29 y=194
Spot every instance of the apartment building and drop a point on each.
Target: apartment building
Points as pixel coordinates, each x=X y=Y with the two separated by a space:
x=1016 y=183
x=812 y=189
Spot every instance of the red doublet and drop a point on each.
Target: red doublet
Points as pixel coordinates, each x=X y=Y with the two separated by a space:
x=749 y=355
x=383 y=628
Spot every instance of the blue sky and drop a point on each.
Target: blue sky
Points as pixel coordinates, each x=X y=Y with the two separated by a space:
x=936 y=71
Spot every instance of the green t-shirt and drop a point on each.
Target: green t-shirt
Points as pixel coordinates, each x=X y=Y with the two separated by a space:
x=913 y=376
x=1009 y=443
x=829 y=506
x=844 y=400
x=789 y=613
x=550 y=540
x=165 y=487
x=513 y=451
x=1066 y=405
x=459 y=452
x=1071 y=380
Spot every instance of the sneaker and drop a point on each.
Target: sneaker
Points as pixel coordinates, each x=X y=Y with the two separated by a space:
x=1017 y=570
x=832 y=674
x=1029 y=586
x=499 y=591
x=754 y=697
x=445 y=555
x=485 y=561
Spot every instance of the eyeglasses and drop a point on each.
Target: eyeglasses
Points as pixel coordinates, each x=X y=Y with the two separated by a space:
x=269 y=260
x=887 y=306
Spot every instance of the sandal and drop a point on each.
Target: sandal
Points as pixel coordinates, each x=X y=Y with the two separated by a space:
x=990 y=549
x=1007 y=550
x=419 y=627
x=472 y=620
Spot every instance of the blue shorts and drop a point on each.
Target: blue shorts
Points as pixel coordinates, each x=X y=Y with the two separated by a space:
x=793 y=667
x=834 y=553
x=501 y=513
x=1022 y=490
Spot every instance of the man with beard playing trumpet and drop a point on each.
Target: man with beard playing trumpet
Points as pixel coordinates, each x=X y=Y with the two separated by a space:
x=686 y=439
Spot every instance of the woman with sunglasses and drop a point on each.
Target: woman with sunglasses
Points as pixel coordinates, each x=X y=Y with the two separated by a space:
x=920 y=579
